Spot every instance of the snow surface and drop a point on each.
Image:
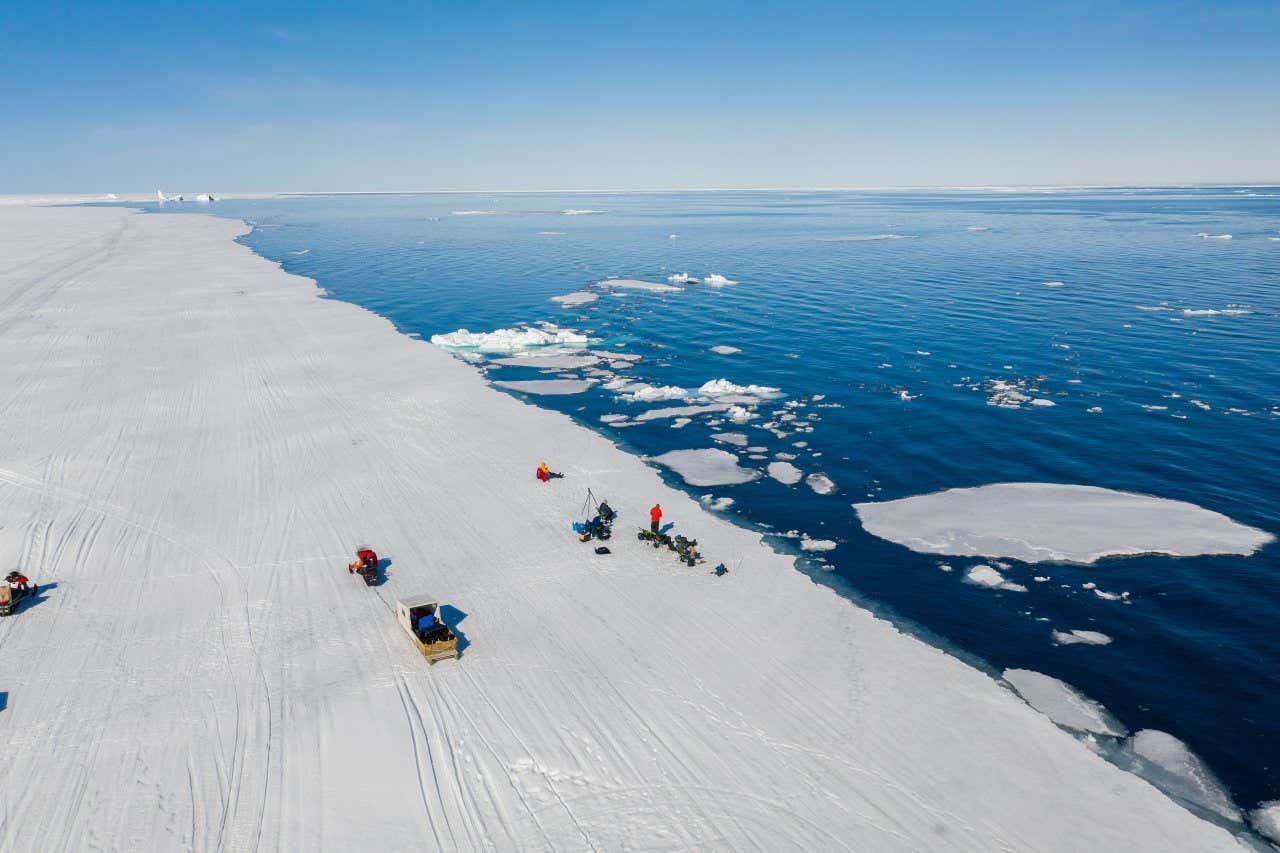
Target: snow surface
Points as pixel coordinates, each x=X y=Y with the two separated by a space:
x=709 y=467
x=192 y=450
x=1037 y=522
x=1063 y=704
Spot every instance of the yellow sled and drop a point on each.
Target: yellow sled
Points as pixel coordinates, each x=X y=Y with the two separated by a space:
x=435 y=643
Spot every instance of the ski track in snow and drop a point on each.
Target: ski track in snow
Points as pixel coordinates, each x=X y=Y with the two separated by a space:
x=191 y=451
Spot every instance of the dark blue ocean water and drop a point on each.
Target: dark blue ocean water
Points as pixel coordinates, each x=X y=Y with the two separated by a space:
x=1196 y=650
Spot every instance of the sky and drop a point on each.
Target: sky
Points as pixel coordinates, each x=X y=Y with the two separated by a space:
x=258 y=96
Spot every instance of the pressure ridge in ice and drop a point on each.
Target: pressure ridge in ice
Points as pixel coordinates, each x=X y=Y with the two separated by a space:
x=1063 y=704
x=706 y=467
x=1039 y=522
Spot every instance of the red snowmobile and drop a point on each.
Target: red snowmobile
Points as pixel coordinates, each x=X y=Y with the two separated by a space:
x=15 y=589
x=366 y=566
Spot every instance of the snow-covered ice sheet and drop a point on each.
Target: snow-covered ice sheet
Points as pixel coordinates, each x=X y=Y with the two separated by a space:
x=206 y=675
x=1171 y=766
x=1063 y=704
x=1037 y=522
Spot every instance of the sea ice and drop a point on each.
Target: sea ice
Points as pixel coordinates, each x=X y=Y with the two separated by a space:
x=1063 y=704
x=720 y=388
x=510 y=340
x=717 y=280
x=679 y=412
x=706 y=467
x=1073 y=637
x=549 y=362
x=635 y=284
x=723 y=349
x=682 y=278
x=1039 y=522
x=578 y=297
x=578 y=212
x=819 y=482
x=1052 y=284
x=1167 y=763
x=715 y=503
x=1042 y=402
x=984 y=575
x=734 y=438
x=1205 y=235
x=785 y=473
x=819 y=545
x=1266 y=817
x=865 y=238
x=553 y=387
x=641 y=392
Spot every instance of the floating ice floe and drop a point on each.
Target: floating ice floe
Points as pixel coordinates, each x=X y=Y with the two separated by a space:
x=715 y=503
x=722 y=349
x=578 y=297
x=988 y=576
x=509 y=340
x=1011 y=393
x=717 y=280
x=1063 y=704
x=550 y=233
x=785 y=473
x=680 y=412
x=707 y=467
x=1039 y=522
x=477 y=212
x=739 y=415
x=681 y=423
x=735 y=438
x=1078 y=636
x=613 y=418
x=562 y=361
x=1053 y=284
x=819 y=482
x=1171 y=766
x=865 y=238
x=1266 y=817
x=1205 y=235
x=642 y=392
x=1042 y=402
x=724 y=388
x=816 y=545
x=1229 y=311
x=682 y=278
x=550 y=387
x=1094 y=410
x=636 y=284
x=578 y=212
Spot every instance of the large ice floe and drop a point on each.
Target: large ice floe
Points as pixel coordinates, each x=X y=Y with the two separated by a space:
x=706 y=467
x=558 y=361
x=549 y=387
x=1171 y=766
x=1063 y=704
x=636 y=284
x=510 y=340
x=785 y=473
x=1039 y=522
x=1078 y=636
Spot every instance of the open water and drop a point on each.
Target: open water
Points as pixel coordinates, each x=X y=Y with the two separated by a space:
x=904 y=337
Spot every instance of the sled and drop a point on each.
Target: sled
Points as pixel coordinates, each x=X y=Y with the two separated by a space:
x=435 y=643
x=11 y=596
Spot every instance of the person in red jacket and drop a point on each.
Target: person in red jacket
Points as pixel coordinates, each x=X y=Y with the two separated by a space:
x=655 y=517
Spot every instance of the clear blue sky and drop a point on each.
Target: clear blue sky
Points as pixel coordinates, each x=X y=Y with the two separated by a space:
x=127 y=97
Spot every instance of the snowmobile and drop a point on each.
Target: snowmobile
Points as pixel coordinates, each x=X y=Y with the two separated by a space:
x=657 y=539
x=366 y=565
x=434 y=640
x=11 y=594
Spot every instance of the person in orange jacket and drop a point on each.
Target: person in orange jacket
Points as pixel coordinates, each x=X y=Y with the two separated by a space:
x=543 y=473
x=655 y=517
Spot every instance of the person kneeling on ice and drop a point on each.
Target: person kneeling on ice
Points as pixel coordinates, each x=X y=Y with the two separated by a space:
x=655 y=517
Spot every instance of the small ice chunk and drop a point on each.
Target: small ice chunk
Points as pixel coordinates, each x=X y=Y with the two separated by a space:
x=1052 y=284
x=1167 y=763
x=785 y=473
x=682 y=278
x=807 y=544
x=509 y=340
x=820 y=483
x=1094 y=410
x=578 y=297
x=739 y=415
x=724 y=349
x=735 y=438
x=681 y=423
x=1040 y=401
x=706 y=467
x=719 y=388
x=1063 y=704
x=1266 y=817
x=636 y=284
x=715 y=503
x=717 y=280
x=984 y=575
x=1073 y=637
